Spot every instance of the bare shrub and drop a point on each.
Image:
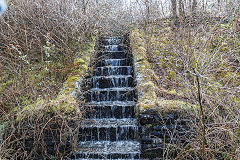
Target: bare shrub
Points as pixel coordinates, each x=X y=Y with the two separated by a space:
x=39 y=135
x=39 y=40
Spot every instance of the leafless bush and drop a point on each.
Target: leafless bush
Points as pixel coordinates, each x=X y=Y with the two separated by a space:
x=29 y=24
x=180 y=59
x=40 y=32
x=205 y=47
x=39 y=40
x=43 y=134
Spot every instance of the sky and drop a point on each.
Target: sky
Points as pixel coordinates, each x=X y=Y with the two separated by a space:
x=3 y=6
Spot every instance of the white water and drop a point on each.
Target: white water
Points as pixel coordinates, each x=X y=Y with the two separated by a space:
x=110 y=129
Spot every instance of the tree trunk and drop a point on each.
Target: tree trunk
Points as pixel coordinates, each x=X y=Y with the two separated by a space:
x=194 y=12
x=174 y=9
x=174 y=14
x=181 y=11
x=147 y=4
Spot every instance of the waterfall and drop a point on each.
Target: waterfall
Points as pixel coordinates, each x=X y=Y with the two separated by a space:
x=110 y=129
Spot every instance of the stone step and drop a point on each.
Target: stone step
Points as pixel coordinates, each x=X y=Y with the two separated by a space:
x=113 y=70
x=108 y=133
x=102 y=156
x=110 y=81
x=109 y=122
x=115 y=112
x=117 y=89
x=167 y=119
x=108 y=147
x=111 y=95
x=111 y=41
x=112 y=55
x=109 y=129
x=113 y=62
x=113 y=103
x=112 y=47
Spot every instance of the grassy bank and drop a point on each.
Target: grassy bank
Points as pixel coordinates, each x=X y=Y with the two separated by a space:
x=170 y=64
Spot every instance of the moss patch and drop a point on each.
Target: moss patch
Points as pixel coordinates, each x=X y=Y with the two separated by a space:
x=174 y=105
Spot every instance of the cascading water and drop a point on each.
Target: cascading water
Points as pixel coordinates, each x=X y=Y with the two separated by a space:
x=110 y=129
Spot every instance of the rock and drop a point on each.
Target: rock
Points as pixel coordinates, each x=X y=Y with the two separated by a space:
x=160 y=134
x=146 y=141
x=146 y=119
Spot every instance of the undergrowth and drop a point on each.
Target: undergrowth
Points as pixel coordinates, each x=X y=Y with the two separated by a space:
x=170 y=61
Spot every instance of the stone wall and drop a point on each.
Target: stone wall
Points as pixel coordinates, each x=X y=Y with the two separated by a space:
x=162 y=134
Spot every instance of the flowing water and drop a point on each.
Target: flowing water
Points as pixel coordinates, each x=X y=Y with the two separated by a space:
x=110 y=129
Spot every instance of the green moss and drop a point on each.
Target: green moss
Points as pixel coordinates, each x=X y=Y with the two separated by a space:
x=70 y=82
x=79 y=61
x=63 y=103
x=173 y=105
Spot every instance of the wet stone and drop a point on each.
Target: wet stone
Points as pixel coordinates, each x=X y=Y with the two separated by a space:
x=112 y=95
x=132 y=133
x=146 y=140
x=106 y=112
x=122 y=133
x=113 y=62
x=112 y=48
x=112 y=55
x=116 y=156
x=118 y=112
x=102 y=134
x=94 y=134
x=107 y=133
x=137 y=156
x=113 y=133
x=129 y=111
x=146 y=119
x=110 y=128
x=87 y=133
x=111 y=41
x=108 y=71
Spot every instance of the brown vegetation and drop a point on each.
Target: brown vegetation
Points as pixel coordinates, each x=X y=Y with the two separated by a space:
x=190 y=56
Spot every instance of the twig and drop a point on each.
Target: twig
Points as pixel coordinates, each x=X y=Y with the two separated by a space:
x=202 y=117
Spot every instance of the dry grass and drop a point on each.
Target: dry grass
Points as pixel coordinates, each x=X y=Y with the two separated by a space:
x=211 y=53
x=43 y=134
x=40 y=39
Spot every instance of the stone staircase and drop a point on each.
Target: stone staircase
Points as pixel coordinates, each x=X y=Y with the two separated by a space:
x=110 y=130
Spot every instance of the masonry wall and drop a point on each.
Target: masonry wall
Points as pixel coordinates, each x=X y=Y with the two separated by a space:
x=162 y=134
